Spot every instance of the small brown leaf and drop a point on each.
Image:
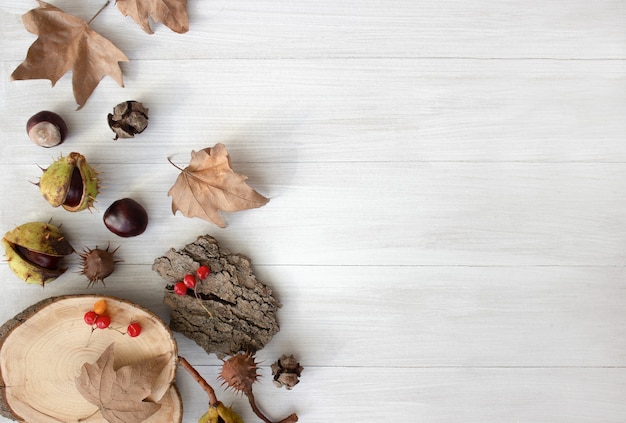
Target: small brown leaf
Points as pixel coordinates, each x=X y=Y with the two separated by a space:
x=171 y=13
x=209 y=184
x=120 y=394
x=67 y=43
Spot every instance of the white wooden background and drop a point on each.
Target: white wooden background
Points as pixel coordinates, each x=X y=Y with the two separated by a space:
x=447 y=224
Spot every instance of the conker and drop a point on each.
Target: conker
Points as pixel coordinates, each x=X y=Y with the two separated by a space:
x=75 y=191
x=40 y=259
x=46 y=129
x=126 y=218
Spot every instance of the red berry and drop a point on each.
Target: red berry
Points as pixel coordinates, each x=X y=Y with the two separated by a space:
x=90 y=317
x=103 y=321
x=133 y=330
x=203 y=272
x=180 y=288
x=190 y=281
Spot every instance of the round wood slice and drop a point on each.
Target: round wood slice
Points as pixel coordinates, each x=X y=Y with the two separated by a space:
x=43 y=349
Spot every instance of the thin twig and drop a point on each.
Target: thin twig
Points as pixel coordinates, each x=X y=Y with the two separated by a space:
x=198 y=378
x=289 y=419
x=98 y=12
x=195 y=291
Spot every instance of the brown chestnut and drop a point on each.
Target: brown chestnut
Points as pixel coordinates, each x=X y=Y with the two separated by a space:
x=75 y=191
x=40 y=259
x=126 y=218
x=46 y=129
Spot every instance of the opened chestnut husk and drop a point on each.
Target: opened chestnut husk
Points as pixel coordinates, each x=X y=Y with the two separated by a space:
x=70 y=182
x=128 y=119
x=34 y=252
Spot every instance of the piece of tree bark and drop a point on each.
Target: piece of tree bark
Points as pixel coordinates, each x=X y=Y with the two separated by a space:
x=230 y=311
x=43 y=348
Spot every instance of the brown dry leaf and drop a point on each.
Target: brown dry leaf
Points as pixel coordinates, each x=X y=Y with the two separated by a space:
x=209 y=184
x=119 y=394
x=171 y=13
x=67 y=43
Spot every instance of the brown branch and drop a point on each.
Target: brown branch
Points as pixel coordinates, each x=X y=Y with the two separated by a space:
x=198 y=378
x=292 y=418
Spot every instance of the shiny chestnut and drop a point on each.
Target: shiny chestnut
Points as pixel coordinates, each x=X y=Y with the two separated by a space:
x=46 y=129
x=126 y=218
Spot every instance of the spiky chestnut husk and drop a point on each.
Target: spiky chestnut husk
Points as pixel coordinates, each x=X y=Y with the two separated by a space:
x=98 y=264
x=70 y=182
x=239 y=372
x=34 y=251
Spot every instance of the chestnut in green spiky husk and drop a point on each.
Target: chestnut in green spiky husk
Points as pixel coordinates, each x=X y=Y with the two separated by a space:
x=70 y=182
x=34 y=251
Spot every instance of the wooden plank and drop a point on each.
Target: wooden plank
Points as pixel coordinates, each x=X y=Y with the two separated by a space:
x=408 y=316
x=492 y=395
x=338 y=110
x=475 y=214
x=431 y=395
x=557 y=29
x=445 y=228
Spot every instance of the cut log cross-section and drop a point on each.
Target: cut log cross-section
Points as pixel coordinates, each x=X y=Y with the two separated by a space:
x=43 y=349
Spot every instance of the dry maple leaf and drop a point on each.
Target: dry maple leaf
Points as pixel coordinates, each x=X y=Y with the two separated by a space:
x=120 y=394
x=67 y=43
x=171 y=13
x=209 y=184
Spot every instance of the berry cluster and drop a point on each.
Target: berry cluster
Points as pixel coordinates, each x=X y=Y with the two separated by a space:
x=97 y=319
x=189 y=281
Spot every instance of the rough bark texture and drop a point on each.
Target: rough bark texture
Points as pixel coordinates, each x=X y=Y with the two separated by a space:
x=230 y=311
x=43 y=348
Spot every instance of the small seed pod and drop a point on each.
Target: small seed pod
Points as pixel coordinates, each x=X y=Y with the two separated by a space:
x=46 y=129
x=34 y=251
x=70 y=182
x=98 y=264
x=286 y=371
x=128 y=118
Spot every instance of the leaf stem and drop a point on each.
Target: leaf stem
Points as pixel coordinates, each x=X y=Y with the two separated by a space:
x=98 y=12
x=169 y=159
x=198 y=378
